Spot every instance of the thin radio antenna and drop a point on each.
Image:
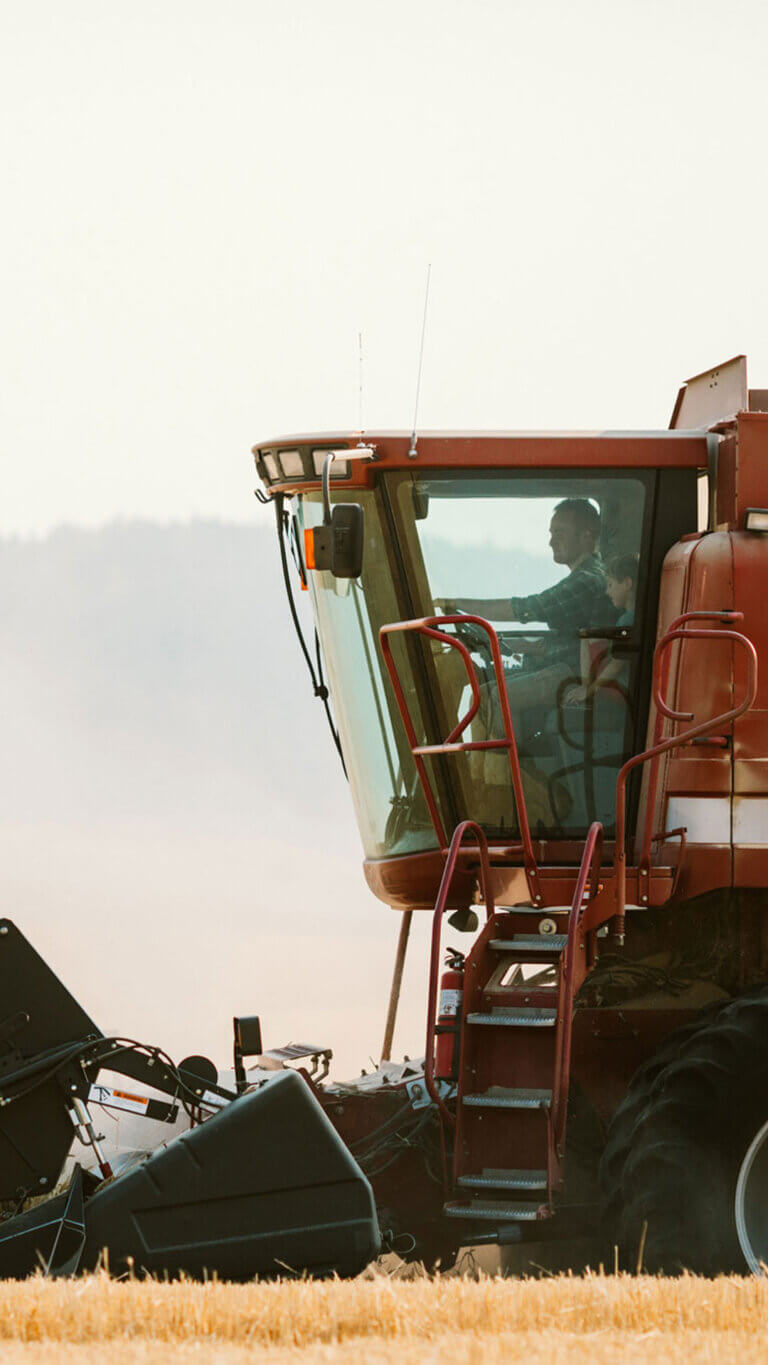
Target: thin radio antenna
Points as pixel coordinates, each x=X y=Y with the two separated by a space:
x=360 y=381
x=413 y=452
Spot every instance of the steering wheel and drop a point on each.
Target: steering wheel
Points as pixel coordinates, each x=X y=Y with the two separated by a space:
x=477 y=642
x=473 y=636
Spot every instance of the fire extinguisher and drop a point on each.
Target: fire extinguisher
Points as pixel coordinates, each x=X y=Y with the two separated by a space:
x=448 y=1029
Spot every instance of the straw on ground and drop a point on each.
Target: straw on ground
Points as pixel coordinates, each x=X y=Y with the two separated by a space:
x=431 y=1322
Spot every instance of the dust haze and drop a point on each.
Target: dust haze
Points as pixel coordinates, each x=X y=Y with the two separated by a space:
x=205 y=209
x=177 y=836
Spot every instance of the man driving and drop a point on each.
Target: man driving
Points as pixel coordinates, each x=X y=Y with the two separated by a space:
x=578 y=600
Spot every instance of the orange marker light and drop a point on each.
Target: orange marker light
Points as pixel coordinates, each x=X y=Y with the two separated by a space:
x=309 y=549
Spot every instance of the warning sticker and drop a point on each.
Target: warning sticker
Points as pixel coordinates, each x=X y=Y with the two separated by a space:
x=450 y=1002
x=118 y=1099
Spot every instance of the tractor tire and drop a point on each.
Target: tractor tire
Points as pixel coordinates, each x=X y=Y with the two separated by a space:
x=671 y=1160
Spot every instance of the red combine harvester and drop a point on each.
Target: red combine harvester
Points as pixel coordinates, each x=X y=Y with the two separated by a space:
x=542 y=656
x=571 y=742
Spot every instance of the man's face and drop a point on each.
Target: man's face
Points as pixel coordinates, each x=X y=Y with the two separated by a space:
x=565 y=541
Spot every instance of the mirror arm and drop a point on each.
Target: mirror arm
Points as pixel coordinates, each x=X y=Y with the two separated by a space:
x=327 y=462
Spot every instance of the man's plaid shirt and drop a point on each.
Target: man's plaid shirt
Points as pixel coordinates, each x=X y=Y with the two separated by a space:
x=579 y=601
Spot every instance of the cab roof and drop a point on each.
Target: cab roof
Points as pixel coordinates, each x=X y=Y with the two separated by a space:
x=291 y=462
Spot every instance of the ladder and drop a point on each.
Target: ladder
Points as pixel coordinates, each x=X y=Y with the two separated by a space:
x=520 y=982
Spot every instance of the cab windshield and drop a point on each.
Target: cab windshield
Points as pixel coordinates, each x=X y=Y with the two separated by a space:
x=557 y=563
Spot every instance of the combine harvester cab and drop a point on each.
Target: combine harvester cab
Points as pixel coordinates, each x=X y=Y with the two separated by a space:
x=542 y=656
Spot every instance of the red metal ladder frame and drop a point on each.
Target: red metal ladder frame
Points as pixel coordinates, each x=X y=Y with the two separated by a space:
x=434 y=956
x=428 y=628
x=587 y=885
x=679 y=629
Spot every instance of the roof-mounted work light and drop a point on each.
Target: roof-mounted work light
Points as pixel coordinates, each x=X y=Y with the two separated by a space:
x=337 y=545
x=756 y=519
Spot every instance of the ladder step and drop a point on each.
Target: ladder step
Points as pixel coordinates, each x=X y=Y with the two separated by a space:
x=535 y=909
x=500 y=1098
x=499 y=1212
x=530 y=943
x=516 y=1018
x=504 y=1180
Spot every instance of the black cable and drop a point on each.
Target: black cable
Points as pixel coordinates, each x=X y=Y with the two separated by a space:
x=327 y=704
x=81 y=1050
x=158 y=1054
x=77 y=1050
x=387 y=1152
x=318 y=684
x=388 y=1126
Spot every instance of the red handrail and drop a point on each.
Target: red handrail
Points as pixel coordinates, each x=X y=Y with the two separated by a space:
x=660 y=683
x=427 y=627
x=586 y=886
x=674 y=741
x=434 y=958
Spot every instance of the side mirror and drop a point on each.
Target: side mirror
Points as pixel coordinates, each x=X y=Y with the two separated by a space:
x=338 y=544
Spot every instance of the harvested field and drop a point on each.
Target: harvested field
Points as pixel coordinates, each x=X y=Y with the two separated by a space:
x=418 y=1322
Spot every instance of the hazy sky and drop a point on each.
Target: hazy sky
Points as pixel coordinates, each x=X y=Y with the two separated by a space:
x=203 y=205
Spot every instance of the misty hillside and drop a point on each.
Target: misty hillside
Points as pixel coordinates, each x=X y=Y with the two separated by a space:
x=148 y=667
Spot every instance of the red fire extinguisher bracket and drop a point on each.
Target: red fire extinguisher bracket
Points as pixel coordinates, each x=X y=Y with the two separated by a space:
x=448 y=1027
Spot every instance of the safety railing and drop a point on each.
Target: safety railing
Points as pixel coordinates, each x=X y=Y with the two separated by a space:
x=678 y=630
x=584 y=891
x=427 y=628
x=661 y=683
x=441 y=904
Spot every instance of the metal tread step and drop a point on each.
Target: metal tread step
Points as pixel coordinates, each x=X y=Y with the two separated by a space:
x=504 y=1180
x=533 y=910
x=500 y=1098
x=515 y=1018
x=530 y=943
x=500 y=1211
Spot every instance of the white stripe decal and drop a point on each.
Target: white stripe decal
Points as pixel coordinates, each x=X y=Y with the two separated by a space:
x=750 y=820
x=707 y=818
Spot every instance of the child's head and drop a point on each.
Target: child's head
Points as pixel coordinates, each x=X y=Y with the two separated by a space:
x=621 y=582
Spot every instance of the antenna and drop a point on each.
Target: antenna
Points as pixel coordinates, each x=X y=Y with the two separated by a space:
x=360 y=381
x=413 y=452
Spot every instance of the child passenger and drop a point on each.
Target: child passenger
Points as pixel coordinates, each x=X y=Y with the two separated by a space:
x=621 y=587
